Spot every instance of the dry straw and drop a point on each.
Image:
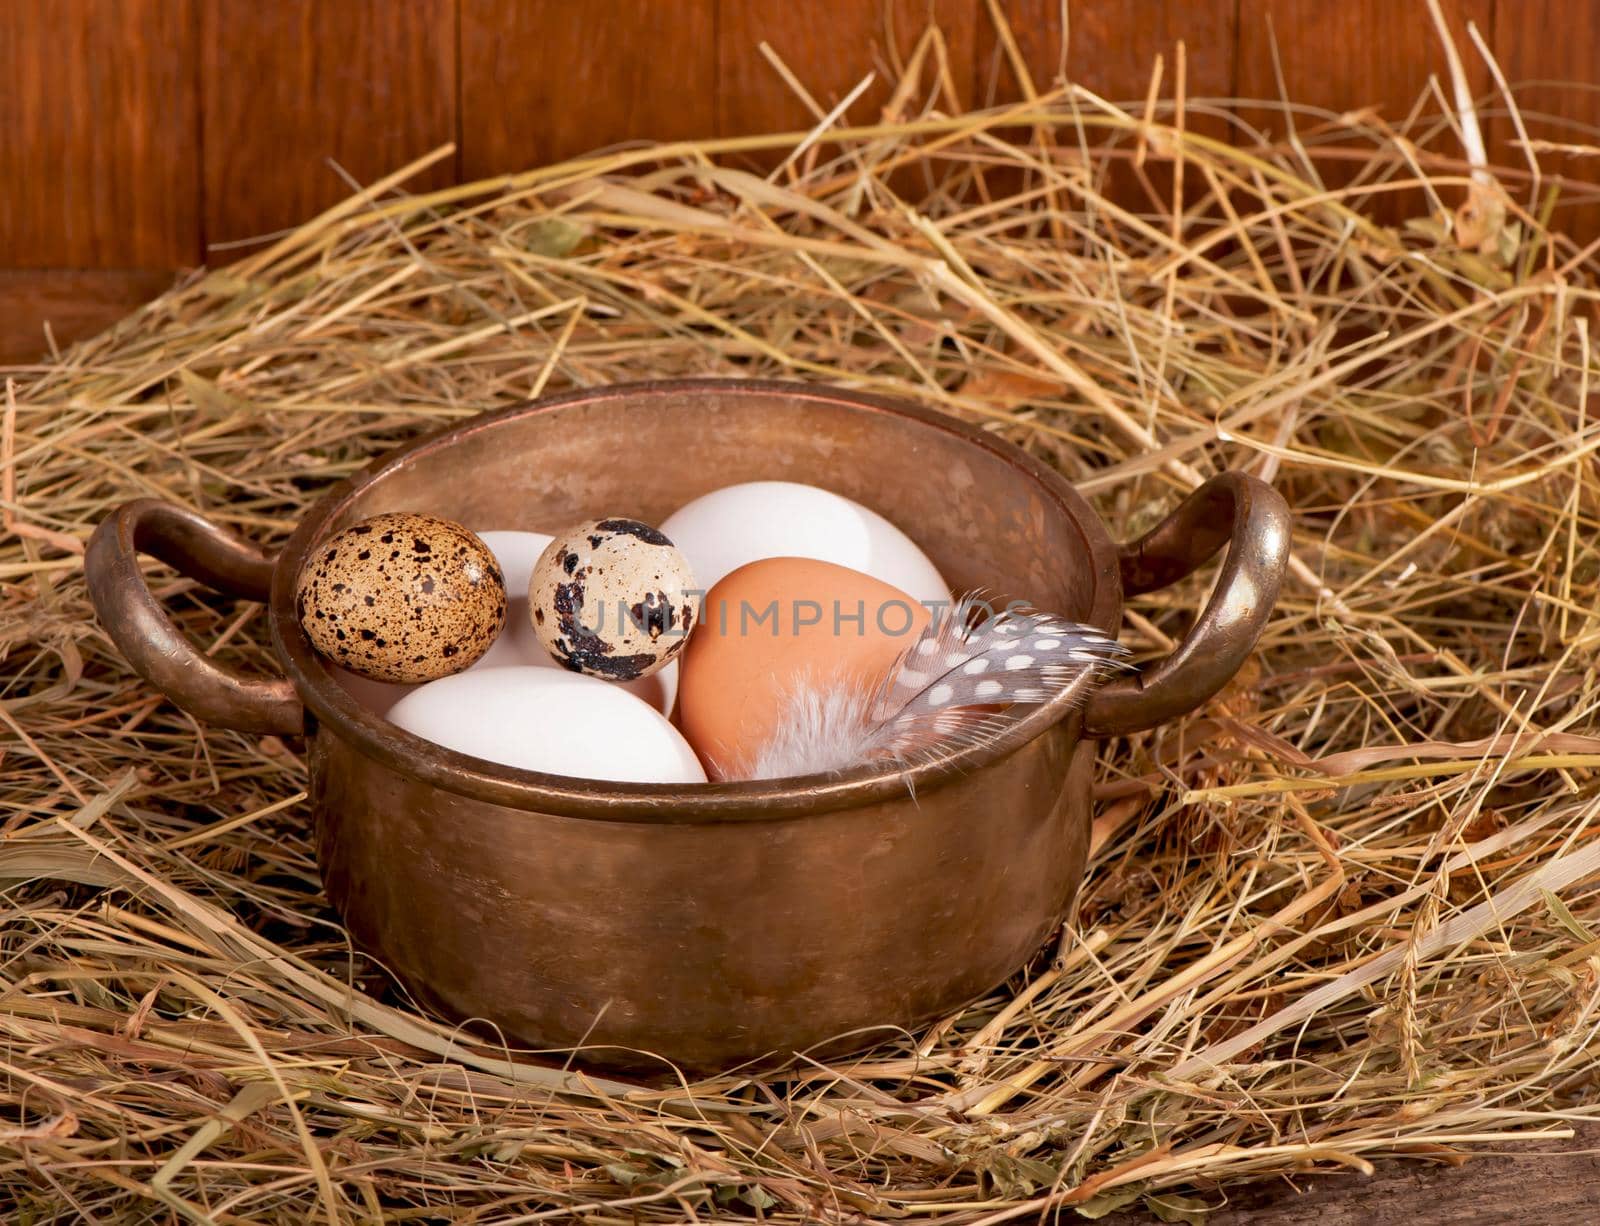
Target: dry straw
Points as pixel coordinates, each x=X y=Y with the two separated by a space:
x=1348 y=910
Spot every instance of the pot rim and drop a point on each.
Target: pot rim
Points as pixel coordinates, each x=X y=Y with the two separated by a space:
x=605 y=800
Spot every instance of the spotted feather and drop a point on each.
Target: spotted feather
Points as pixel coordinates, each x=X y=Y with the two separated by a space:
x=945 y=692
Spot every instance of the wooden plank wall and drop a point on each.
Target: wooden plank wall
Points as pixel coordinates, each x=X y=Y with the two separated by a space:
x=142 y=137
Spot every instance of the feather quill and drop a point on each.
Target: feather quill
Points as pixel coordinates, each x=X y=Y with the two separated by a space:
x=942 y=694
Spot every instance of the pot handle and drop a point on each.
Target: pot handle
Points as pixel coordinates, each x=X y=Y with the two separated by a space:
x=1252 y=519
x=145 y=634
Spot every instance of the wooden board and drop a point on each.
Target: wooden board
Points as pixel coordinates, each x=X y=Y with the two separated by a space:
x=76 y=303
x=139 y=130
x=1110 y=46
x=1526 y=1182
x=1554 y=40
x=1111 y=49
x=99 y=148
x=829 y=52
x=544 y=80
x=1350 y=56
x=290 y=84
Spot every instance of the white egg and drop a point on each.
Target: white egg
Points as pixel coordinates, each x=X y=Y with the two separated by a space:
x=721 y=531
x=516 y=552
x=517 y=645
x=547 y=719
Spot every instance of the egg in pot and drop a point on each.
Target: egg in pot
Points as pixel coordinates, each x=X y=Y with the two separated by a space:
x=772 y=626
x=545 y=719
x=721 y=531
x=612 y=598
x=402 y=597
x=517 y=553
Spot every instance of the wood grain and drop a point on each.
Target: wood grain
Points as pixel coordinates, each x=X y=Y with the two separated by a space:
x=290 y=84
x=1110 y=46
x=830 y=49
x=1350 y=56
x=1543 y=41
x=74 y=302
x=1526 y=1183
x=544 y=80
x=1353 y=54
x=98 y=133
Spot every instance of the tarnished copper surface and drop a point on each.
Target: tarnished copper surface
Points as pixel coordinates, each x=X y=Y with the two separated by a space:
x=1231 y=507
x=186 y=541
x=722 y=922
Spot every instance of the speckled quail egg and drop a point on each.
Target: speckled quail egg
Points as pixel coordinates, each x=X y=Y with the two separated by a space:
x=402 y=597
x=612 y=598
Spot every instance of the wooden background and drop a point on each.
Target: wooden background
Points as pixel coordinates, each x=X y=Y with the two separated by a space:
x=141 y=137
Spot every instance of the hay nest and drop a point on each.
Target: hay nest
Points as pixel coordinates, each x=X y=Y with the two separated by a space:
x=1349 y=909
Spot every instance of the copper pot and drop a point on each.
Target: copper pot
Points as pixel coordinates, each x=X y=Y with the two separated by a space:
x=721 y=922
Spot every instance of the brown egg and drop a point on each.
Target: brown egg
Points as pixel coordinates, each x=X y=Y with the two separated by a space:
x=771 y=626
x=402 y=597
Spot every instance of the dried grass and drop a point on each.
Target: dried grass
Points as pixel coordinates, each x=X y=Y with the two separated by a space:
x=1348 y=910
